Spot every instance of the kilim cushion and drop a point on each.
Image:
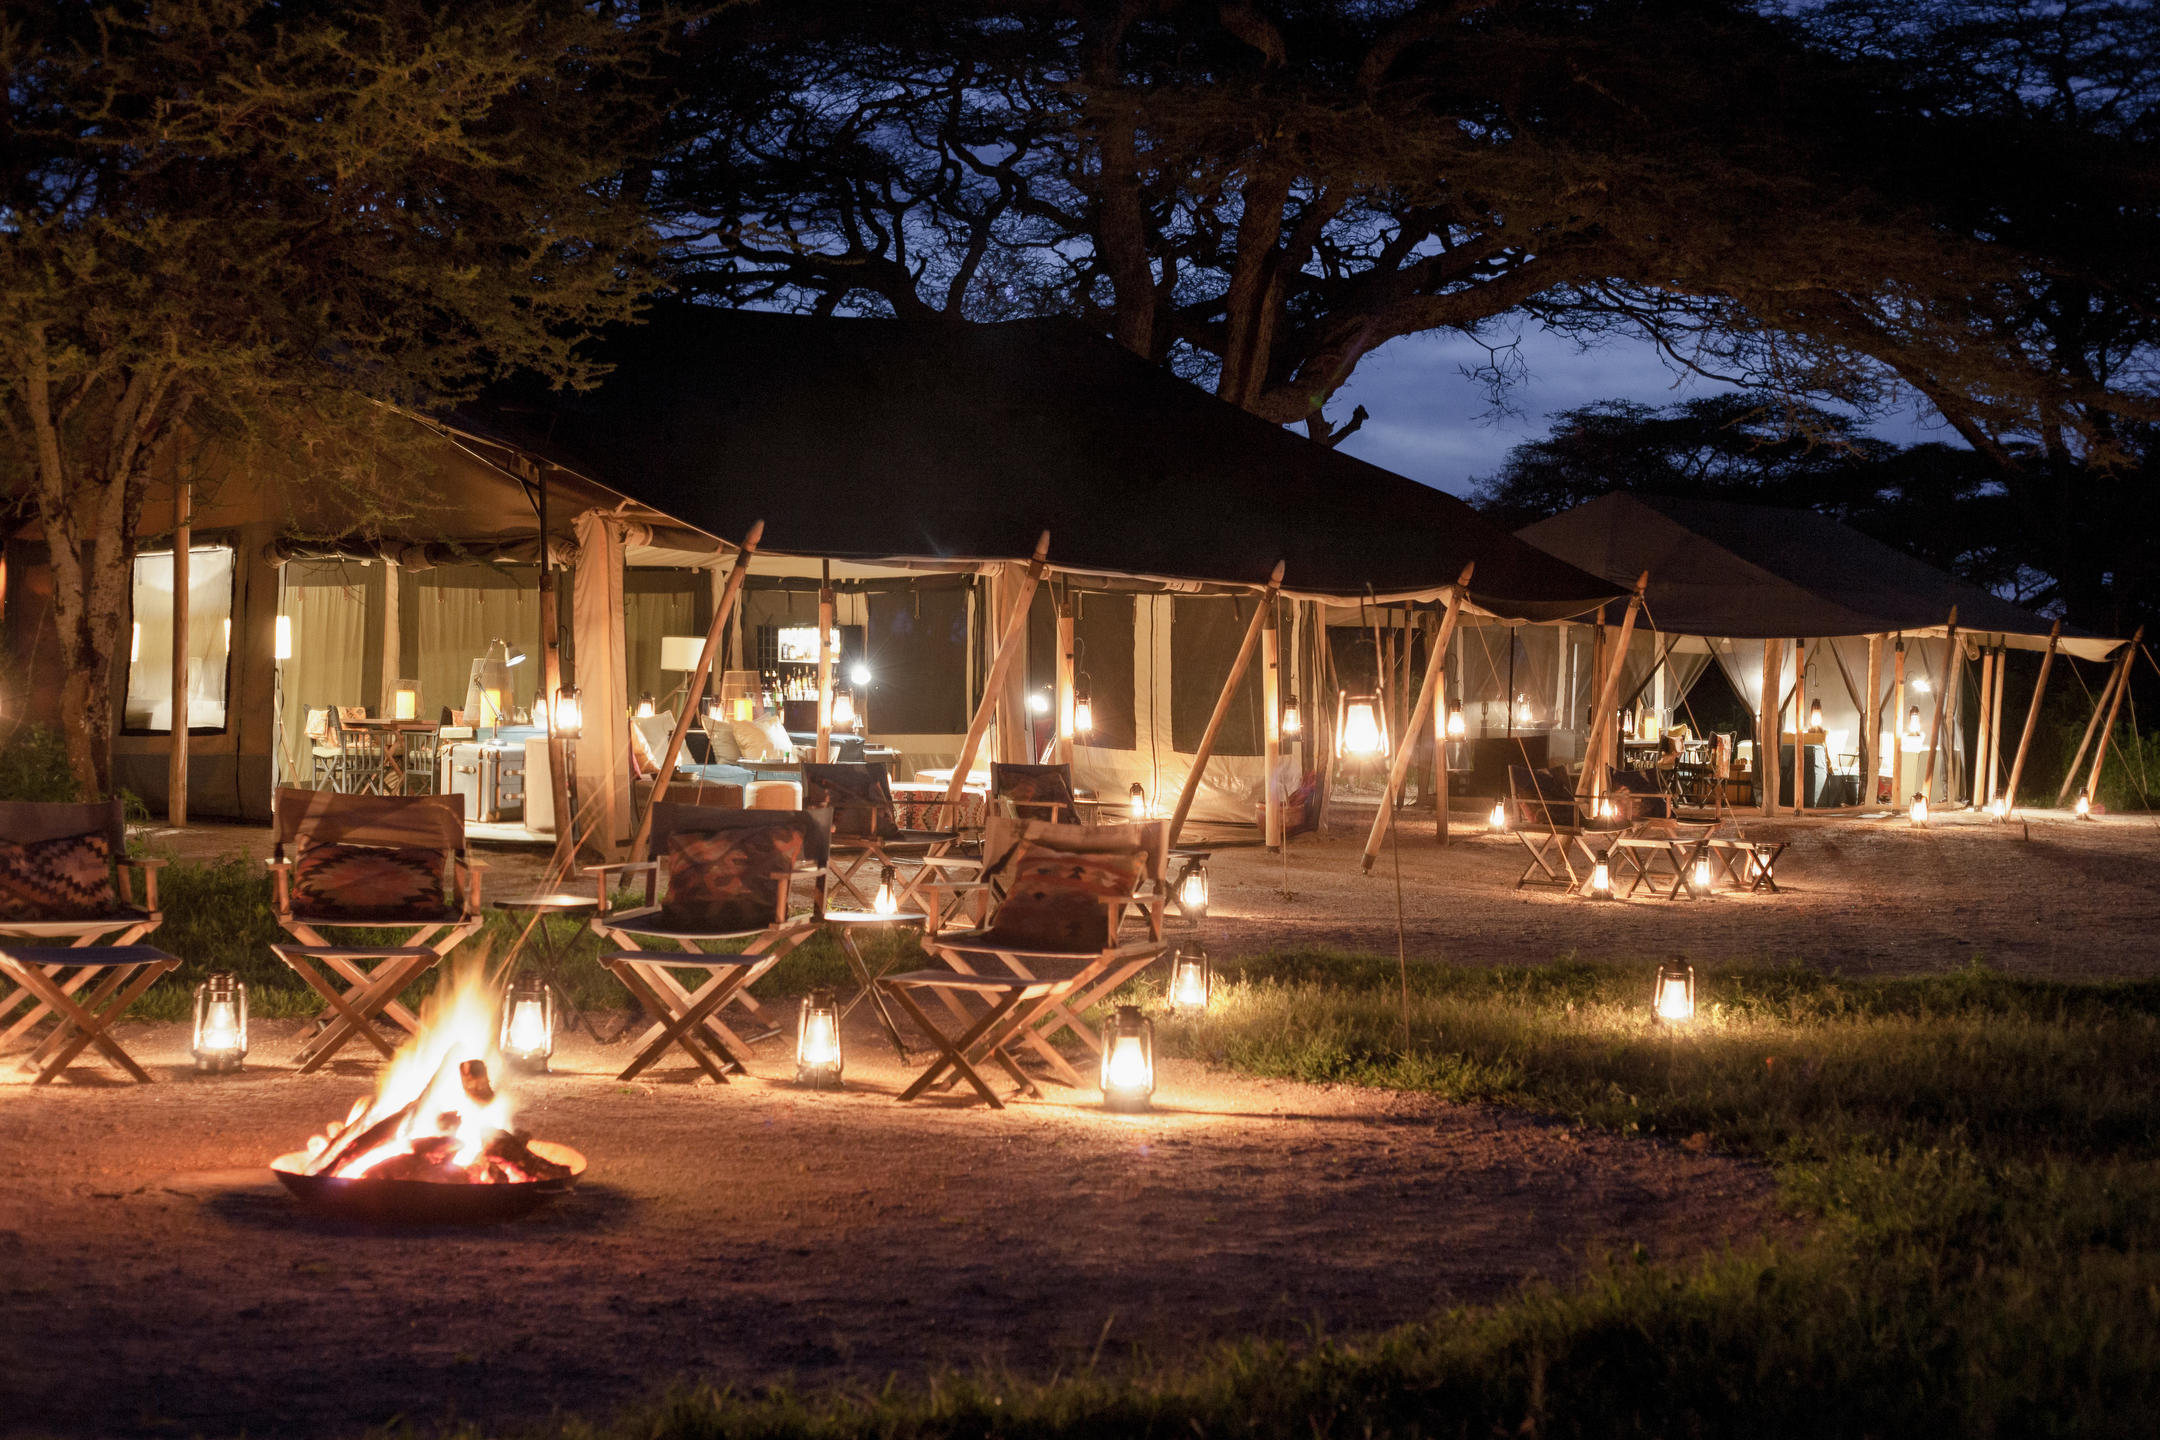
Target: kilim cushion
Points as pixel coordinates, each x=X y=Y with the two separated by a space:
x=68 y=877
x=1057 y=902
x=370 y=884
x=726 y=882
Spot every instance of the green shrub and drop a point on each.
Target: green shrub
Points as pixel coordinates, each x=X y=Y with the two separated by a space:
x=34 y=766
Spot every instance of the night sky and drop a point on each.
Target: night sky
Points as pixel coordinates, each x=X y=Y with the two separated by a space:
x=1433 y=424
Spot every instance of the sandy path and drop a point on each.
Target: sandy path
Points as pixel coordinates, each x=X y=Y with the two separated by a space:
x=154 y=1280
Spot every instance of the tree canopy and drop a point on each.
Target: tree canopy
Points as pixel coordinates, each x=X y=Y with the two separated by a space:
x=218 y=212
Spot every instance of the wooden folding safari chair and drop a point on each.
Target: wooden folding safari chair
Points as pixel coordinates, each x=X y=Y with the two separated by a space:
x=1544 y=818
x=1045 y=792
x=128 y=970
x=1066 y=891
x=1009 y=1003
x=374 y=861
x=729 y=875
x=866 y=834
x=66 y=879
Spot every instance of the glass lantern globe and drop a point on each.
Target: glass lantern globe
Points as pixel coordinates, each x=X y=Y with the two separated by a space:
x=1362 y=735
x=1496 y=822
x=1192 y=891
x=220 y=1035
x=818 y=1060
x=1918 y=811
x=1601 y=881
x=1128 y=1061
x=1136 y=802
x=886 y=899
x=1702 y=876
x=1192 y=982
x=2084 y=806
x=1083 y=713
x=1293 y=719
x=1673 y=1001
x=527 y=1041
x=843 y=710
x=1455 y=723
x=569 y=714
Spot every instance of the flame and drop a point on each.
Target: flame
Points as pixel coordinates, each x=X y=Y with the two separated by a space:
x=427 y=1085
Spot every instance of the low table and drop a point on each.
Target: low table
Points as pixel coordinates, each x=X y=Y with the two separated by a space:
x=1640 y=854
x=1749 y=864
x=845 y=924
x=550 y=955
x=124 y=972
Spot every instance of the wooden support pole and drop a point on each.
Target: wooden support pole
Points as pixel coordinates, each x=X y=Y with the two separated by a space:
x=1063 y=743
x=1271 y=726
x=1010 y=642
x=176 y=773
x=1604 y=736
x=1897 y=732
x=1441 y=777
x=1980 y=733
x=2032 y=716
x=1406 y=742
x=1799 y=727
x=824 y=666
x=1952 y=671
x=1995 y=707
x=1871 y=723
x=2100 y=704
x=706 y=653
x=1222 y=703
x=2122 y=687
x=551 y=679
x=1769 y=723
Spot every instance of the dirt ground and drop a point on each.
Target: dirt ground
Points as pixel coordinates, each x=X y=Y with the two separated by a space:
x=155 y=1280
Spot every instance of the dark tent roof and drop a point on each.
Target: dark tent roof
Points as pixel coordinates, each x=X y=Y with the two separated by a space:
x=880 y=440
x=1750 y=571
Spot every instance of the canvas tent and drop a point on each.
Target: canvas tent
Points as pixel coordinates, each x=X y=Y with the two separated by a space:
x=1731 y=582
x=916 y=466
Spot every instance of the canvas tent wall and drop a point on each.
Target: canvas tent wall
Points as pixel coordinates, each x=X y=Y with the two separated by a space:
x=885 y=449
x=1726 y=578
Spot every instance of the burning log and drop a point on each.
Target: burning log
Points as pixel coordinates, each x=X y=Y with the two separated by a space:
x=515 y=1150
x=357 y=1140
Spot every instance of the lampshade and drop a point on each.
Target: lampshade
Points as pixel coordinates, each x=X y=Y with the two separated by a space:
x=405 y=700
x=680 y=652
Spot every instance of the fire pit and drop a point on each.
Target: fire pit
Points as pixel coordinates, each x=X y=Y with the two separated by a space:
x=435 y=1142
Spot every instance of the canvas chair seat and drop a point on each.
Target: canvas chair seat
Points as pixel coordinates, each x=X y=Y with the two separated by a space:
x=728 y=875
x=405 y=837
x=78 y=884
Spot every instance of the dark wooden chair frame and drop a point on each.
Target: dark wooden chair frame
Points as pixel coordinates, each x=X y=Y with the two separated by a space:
x=135 y=883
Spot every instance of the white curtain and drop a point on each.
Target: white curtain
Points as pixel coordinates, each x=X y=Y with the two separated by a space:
x=650 y=616
x=326 y=601
x=603 y=754
x=455 y=623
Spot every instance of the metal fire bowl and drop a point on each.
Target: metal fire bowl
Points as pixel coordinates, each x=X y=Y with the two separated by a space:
x=424 y=1202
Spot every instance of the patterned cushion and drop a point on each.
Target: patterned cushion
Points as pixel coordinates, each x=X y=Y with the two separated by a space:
x=725 y=882
x=366 y=884
x=1054 y=902
x=1034 y=788
x=859 y=796
x=68 y=877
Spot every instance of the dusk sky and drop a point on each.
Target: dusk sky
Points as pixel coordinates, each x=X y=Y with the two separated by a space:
x=1433 y=423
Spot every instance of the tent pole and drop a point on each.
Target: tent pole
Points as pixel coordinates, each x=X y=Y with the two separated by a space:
x=1406 y=744
x=706 y=652
x=1604 y=736
x=2032 y=719
x=1799 y=728
x=2122 y=686
x=1066 y=738
x=1271 y=726
x=1768 y=724
x=2002 y=669
x=1222 y=705
x=1980 y=733
x=2077 y=761
x=176 y=774
x=1871 y=723
x=824 y=664
x=1983 y=783
x=550 y=680
x=1953 y=670
x=1009 y=645
x=1440 y=645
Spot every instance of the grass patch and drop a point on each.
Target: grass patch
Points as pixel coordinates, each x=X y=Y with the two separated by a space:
x=1972 y=1156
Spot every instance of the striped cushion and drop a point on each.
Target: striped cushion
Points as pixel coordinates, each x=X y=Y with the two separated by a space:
x=68 y=877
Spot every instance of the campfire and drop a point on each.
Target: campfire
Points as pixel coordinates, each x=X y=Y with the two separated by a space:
x=437 y=1139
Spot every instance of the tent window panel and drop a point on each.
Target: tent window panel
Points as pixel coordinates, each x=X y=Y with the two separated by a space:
x=648 y=617
x=1103 y=667
x=1205 y=632
x=149 y=706
x=462 y=608
x=918 y=661
x=326 y=603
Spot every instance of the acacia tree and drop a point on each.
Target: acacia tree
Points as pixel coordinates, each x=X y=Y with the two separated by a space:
x=1263 y=193
x=218 y=212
